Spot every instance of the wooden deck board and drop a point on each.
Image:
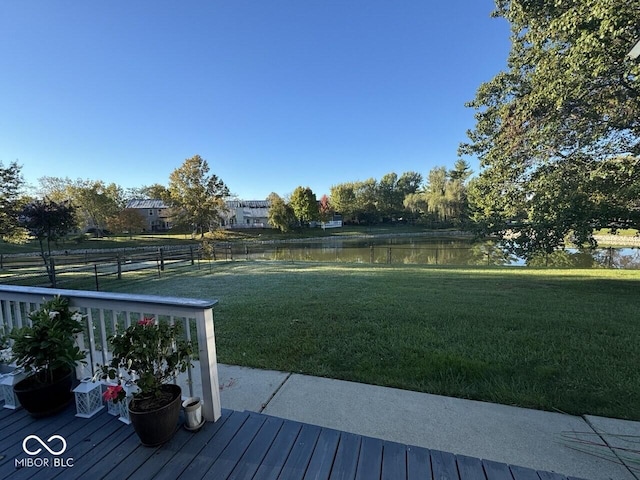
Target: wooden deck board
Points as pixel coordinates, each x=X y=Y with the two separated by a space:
x=418 y=463
x=444 y=465
x=240 y=445
x=470 y=468
x=346 y=460
x=300 y=455
x=370 y=460
x=322 y=459
x=394 y=461
x=496 y=471
x=200 y=464
x=278 y=452
x=248 y=465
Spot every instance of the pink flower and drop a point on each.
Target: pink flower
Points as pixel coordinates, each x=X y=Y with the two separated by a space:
x=112 y=393
x=146 y=321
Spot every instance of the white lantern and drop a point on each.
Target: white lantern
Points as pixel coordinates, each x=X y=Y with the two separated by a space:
x=88 y=398
x=129 y=390
x=7 y=381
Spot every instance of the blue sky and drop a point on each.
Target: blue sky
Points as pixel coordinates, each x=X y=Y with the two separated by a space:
x=272 y=93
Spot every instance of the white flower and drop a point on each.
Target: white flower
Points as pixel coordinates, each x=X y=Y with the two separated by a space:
x=5 y=355
x=77 y=316
x=53 y=314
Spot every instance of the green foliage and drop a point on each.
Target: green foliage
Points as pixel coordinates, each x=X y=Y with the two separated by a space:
x=11 y=183
x=343 y=199
x=48 y=222
x=304 y=204
x=373 y=201
x=445 y=195
x=94 y=201
x=558 y=134
x=127 y=221
x=151 y=353
x=281 y=215
x=197 y=197
x=49 y=344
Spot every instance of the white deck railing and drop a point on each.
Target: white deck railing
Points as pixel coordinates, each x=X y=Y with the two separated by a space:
x=104 y=311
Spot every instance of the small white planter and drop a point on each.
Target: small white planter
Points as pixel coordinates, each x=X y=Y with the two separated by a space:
x=193 y=413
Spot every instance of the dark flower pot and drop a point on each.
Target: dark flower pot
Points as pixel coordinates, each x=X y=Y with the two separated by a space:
x=41 y=399
x=156 y=422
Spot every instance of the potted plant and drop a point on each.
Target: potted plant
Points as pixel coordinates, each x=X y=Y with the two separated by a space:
x=48 y=353
x=149 y=354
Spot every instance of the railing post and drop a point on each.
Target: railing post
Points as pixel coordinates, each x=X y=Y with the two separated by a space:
x=52 y=266
x=211 y=408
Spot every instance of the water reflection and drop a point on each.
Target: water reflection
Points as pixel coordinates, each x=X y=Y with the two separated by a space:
x=432 y=251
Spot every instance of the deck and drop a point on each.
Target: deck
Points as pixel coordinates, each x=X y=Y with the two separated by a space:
x=241 y=445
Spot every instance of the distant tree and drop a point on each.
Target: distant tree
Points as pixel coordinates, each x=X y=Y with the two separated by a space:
x=48 y=222
x=304 y=204
x=128 y=221
x=11 y=183
x=343 y=200
x=281 y=215
x=391 y=193
x=324 y=208
x=55 y=189
x=388 y=198
x=366 y=210
x=95 y=201
x=409 y=183
x=416 y=204
x=197 y=197
x=461 y=171
x=445 y=194
x=156 y=192
x=436 y=194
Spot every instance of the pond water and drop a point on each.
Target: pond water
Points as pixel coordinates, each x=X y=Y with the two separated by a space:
x=435 y=251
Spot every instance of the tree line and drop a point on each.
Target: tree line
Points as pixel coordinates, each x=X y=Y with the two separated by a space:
x=440 y=201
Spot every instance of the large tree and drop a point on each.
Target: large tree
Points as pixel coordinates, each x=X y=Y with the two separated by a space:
x=95 y=201
x=11 y=200
x=197 y=196
x=48 y=222
x=305 y=205
x=281 y=214
x=558 y=133
x=343 y=200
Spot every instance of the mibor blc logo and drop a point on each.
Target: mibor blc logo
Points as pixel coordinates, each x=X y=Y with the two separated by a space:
x=33 y=445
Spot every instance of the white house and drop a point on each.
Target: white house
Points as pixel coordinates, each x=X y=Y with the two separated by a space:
x=246 y=214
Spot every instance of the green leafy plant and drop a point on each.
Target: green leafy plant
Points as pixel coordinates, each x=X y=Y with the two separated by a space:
x=150 y=354
x=49 y=344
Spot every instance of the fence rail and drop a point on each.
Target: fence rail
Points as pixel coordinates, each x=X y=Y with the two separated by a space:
x=104 y=312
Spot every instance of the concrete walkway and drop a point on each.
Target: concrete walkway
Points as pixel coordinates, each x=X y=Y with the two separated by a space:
x=588 y=447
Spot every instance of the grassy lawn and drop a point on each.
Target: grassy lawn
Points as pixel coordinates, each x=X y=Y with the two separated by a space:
x=549 y=339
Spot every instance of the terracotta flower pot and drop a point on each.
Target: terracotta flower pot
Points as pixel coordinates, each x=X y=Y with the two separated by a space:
x=156 y=422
